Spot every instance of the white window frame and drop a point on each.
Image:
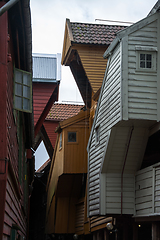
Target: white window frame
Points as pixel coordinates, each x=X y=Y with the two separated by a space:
x=146 y=50
x=21 y=94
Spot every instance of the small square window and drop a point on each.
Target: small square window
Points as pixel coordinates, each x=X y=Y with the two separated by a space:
x=72 y=137
x=145 y=60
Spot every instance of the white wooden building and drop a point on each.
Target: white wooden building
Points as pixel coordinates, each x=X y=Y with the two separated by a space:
x=128 y=112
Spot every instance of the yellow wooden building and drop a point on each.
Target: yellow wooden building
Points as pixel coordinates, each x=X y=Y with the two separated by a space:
x=83 y=49
x=67 y=178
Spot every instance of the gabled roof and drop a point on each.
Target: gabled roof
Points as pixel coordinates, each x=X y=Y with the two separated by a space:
x=60 y=112
x=155 y=8
x=86 y=33
x=138 y=25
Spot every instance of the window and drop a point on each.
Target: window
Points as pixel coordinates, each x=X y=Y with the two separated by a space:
x=60 y=141
x=72 y=137
x=22 y=91
x=145 y=60
x=97 y=134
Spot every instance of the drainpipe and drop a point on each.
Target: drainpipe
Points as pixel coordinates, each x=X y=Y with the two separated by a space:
x=125 y=159
x=7 y=6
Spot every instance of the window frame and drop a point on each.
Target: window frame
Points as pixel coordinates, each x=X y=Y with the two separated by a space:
x=16 y=83
x=146 y=50
x=71 y=142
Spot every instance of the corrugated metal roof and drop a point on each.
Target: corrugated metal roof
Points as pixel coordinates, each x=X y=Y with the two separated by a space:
x=46 y=67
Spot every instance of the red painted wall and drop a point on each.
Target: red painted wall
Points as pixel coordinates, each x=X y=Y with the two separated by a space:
x=50 y=127
x=41 y=94
x=3 y=107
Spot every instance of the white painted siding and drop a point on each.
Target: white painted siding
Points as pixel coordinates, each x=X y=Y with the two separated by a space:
x=147 y=191
x=142 y=85
x=113 y=193
x=108 y=115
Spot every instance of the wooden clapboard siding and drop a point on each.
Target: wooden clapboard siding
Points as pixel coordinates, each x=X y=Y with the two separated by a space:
x=144 y=192
x=108 y=113
x=65 y=217
x=147 y=191
x=41 y=95
x=142 y=86
x=56 y=172
x=13 y=210
x=157 y=190
x=93 y=63
x=75 y=154
x=79 y=222
x=113 y=193
x=50 y=127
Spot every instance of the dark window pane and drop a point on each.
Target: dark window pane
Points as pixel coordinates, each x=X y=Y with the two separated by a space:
x=149 y=57
x=72 y=137
x=142 y=56
x=149 y=65
x=142 y=64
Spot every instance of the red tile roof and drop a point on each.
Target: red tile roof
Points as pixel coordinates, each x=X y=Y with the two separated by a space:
x=94 y=33
x=60 y=112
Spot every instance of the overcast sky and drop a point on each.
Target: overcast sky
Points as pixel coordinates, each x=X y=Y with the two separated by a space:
x=48 y=24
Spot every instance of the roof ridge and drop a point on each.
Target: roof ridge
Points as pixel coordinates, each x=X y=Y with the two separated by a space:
x=112 y=25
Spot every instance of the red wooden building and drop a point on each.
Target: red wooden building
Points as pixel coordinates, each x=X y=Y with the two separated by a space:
x=16 y=128
x=46 y=79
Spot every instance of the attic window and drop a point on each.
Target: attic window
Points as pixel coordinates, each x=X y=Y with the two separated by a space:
x=22 y=90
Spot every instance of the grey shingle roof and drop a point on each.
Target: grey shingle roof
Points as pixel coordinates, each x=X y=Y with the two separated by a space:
x=94 y=33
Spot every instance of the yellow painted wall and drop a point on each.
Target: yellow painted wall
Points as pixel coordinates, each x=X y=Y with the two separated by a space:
x=75 y=154
x=94 y=64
